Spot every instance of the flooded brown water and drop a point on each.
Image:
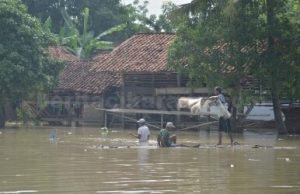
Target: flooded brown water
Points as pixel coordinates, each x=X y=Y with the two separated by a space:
x=81 y=161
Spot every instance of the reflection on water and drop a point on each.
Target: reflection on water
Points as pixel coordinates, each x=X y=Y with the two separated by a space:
x=83 y=161
x=142 y=155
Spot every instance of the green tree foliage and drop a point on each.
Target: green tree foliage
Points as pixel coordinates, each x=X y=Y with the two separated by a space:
x=104 y=13
x=84 y=44
x=281 y=56
x=217 y=42
x=220 y=42
x=24 y=64
x=215 y=45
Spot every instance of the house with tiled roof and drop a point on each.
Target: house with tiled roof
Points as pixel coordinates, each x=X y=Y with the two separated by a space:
x=78 y=86
x=134 y=75
x=142 y=53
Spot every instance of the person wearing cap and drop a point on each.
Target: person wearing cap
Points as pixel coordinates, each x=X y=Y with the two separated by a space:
x=143 y=133
x=164 y=139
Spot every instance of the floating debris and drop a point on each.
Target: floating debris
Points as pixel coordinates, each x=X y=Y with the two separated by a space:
x=53 y=136
x=286 y=159
x=231 y=166
x=105 y=131
x=253 y=160
x=21 y=191
x=284 y=186
x=262 y=146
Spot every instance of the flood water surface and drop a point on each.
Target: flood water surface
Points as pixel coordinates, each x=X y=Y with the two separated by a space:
x=82 y=160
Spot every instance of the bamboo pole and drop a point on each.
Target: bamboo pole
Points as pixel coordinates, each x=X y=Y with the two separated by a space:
x=200 y=125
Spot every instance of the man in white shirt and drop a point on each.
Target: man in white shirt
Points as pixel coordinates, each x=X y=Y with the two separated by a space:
x=143 y=133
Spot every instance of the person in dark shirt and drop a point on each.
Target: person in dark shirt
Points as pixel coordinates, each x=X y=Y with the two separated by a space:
x=164 y=139
x=224 y=124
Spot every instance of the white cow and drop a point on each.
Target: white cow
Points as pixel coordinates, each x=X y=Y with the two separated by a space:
x=204 y=106
x=187 y=102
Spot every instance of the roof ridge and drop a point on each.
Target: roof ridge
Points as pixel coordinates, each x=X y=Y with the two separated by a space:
x=154 y=33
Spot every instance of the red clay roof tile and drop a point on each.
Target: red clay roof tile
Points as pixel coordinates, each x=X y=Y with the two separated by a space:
x=146 y=52
x=78 y=76
x=140 y=53
x=61 y=53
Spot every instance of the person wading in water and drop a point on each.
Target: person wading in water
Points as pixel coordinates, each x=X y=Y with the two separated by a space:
x=224 y=124
x=143 y=133
x=164 y=139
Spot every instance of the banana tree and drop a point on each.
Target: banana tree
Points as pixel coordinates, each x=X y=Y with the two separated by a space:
x=84 y=44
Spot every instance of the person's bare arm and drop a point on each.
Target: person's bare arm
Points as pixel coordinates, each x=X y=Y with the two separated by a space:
x=158 y=140
x=138 y=136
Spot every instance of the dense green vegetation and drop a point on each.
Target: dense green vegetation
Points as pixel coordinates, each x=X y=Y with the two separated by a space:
x=104 y=15
x=24 y=65
x=84 y=45
x=220 y=42
x=85 y=27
